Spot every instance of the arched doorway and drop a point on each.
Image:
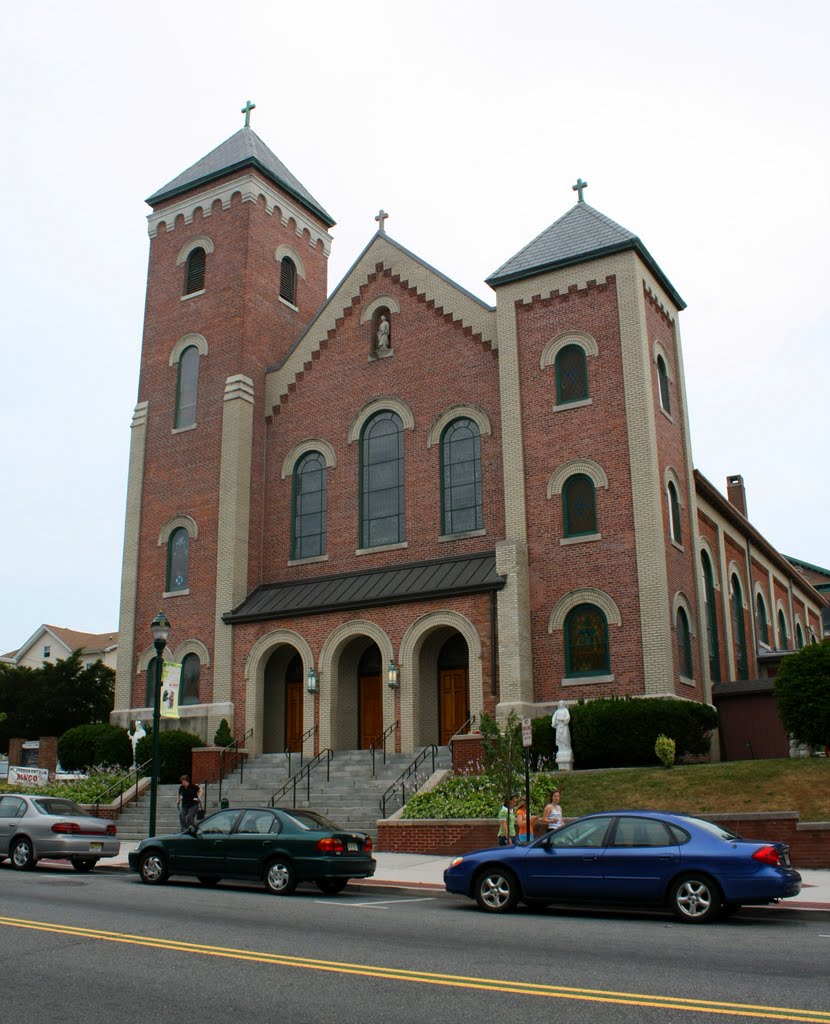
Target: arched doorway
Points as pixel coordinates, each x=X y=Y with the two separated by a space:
x=370 y=697
x=282 y=711
x=453 y=687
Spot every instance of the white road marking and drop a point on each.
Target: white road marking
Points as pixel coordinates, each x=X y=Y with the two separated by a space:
x=380 y=904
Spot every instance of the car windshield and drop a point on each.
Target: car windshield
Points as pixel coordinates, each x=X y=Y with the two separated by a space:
x=57 y=805
x=721 y=831
x=312 y=821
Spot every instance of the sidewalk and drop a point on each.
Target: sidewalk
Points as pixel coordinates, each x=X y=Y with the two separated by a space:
x=421 y=872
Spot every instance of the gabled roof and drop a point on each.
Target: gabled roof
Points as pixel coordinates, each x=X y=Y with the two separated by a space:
x=244 y=149
x=582 y=234
x=394 y=584
x=71 y=639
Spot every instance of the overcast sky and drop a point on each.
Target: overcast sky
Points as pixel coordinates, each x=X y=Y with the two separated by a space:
x=701 y=127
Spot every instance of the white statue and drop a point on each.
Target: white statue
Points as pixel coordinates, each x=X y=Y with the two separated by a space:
x=383 y=332
x=137 y=734
x=560 y=720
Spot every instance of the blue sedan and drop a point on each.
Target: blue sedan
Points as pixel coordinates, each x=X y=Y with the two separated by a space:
x=700 y=870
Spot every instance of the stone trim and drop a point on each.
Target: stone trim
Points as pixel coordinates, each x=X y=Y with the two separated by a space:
x=313 y=444
x=581 y=538
x=704 y=545
x=293 y=255
x=587 y=680
x=382 y=302
x=388 y=403
x=261 y=650
x=457 y=412
x=192 y=647
x=199 y=242
x=401 y=544
x=147 y=656
x=461 y=536
x=198 y=340
x=585 y=595
x=585 y=341
x=588 y=467
x=658 y=350
x=564 y=406
x=680 y=600
x=174 y=523
x=734 y=569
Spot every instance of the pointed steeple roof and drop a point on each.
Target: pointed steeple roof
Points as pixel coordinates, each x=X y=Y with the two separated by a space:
x=582 y=234
x=244 y=149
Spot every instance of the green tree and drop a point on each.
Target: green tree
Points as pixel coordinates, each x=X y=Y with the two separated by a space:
x=49 y=700
x=503 y=759
x=802 y=691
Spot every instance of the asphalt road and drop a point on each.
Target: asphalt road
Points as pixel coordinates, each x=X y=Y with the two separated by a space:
x=104 y=947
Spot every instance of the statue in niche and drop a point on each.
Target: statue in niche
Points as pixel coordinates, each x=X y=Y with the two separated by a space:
x=383 y=332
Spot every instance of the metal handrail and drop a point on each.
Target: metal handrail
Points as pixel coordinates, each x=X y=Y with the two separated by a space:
x=303 y=773
x=122 y=784
x=400 y=783
x=386 y=734
x=306 y=735
x=238 y=759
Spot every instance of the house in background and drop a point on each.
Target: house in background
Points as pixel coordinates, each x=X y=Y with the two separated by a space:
x=53 y=643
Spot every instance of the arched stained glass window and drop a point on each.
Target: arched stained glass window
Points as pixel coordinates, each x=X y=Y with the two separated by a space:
x=579 y=507
x=178 y=559
x=150 y=695
x=684 y=644
x=288 y=280
x=189 y=687
x=663 y=384
x=187 y=388
x=799 y=636
x=308 y=537
x=782 y=632
x=761 y=618
x=194 y=277
x=571 y=375
x=381 y=481
x=586 y=642
x=461 y=477
x=738 y=629
x=675 y=530
x=711 y=618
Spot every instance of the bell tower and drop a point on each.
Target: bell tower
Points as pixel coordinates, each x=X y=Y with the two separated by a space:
x=237 y=269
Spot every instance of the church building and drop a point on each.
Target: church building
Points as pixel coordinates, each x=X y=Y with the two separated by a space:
x=384 y=510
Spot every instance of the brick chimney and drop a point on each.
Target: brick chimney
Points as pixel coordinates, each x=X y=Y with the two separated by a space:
x=736 y=492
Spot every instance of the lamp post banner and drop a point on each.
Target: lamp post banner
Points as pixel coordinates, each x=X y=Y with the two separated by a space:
x=171 y=675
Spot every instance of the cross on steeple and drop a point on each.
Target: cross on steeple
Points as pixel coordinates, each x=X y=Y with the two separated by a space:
x=580 y=187
x=246 y=110
x=381 y=217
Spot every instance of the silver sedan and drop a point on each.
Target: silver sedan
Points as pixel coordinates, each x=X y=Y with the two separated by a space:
x=37 y=827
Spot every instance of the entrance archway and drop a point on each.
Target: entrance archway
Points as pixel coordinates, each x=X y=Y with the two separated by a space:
x=282 y=701
x=453 y=687
x=266 y=672
x=369 y=698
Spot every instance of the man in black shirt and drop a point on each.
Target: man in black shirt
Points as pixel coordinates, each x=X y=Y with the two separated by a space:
x=188 y=802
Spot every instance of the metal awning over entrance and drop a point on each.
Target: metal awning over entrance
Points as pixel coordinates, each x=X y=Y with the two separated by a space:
x=395 y=584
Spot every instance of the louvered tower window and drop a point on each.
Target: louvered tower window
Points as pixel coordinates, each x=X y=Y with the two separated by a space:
x=288 y=280
x=194 y=278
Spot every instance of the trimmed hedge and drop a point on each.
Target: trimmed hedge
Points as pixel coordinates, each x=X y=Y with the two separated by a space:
x=175 y=747
x=621 y=732
x=98 y=745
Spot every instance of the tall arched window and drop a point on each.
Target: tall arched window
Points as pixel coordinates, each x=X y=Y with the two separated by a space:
x=194 y=275
x=663 y=384
x=684 y=644
x=738 y=629
x=308 y=535
x=586 y=642
x=761 y=616
x=674 y=513
x=571 y=374
x=711 y=618
x=187 y=388
x=799 y=636
x=189 y=688
x=150 y=694
x=579 y=505
x=461 y=509
x=178 y=559
x=381 y=481
x=782 y=631
x=288 y=280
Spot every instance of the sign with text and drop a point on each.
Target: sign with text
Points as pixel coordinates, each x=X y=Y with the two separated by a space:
x=171 y=674
x=19 y=776
x=527 y=732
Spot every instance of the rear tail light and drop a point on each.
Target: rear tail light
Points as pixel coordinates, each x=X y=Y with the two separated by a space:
x=768 y=855
x=66 y=826
x=330 y=845
x=111 y=830
x=367 y=845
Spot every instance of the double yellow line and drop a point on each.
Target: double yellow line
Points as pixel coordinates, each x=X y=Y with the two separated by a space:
x=429 y=978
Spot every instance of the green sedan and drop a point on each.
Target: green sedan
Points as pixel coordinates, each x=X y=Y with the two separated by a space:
x=277 y=846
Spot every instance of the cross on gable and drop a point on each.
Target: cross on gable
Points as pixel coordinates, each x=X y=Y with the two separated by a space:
x=381 y=217
x=246 y=110
x=580 y=187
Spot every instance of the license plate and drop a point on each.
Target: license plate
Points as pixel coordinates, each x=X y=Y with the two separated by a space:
x=96 y=847
x=352 y=847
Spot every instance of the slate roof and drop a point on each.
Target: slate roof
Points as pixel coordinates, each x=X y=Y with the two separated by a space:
x=243 y=149
x=395 y=584
x=582 y=234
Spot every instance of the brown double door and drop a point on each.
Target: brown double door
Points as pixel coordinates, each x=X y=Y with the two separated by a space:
x=371 y=711
x=453 y=702
x=293 y=715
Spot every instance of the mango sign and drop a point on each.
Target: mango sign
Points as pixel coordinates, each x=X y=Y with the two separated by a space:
x=28 y=776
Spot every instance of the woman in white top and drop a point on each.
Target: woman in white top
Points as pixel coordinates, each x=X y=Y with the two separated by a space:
x=552 y=814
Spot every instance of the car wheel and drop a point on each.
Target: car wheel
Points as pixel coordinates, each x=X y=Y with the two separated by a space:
x=22 y=854
x=152 y=868
x=695 y=899
x=280 y=877
x=209 y=880
x=331 y=886
x=83 y=864
x=496 y=890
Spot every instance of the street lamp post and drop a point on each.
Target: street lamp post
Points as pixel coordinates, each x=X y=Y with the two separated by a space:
x=160 y=629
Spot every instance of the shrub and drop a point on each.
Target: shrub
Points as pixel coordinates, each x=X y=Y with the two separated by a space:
x=223 y=736
x=175 y=748
x=664 y=748
x=100 y=744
